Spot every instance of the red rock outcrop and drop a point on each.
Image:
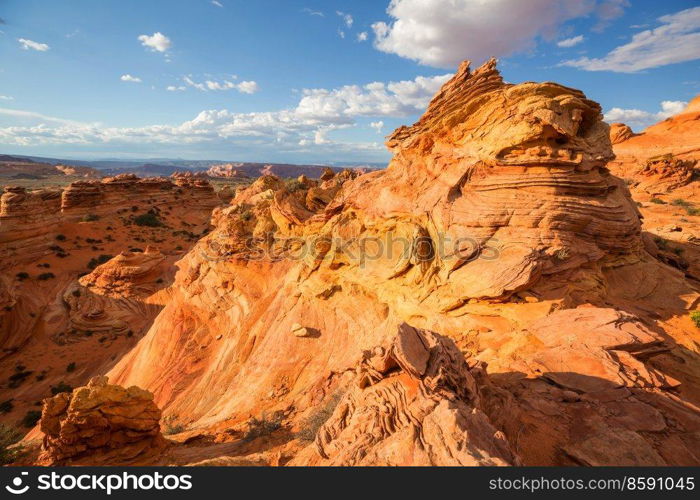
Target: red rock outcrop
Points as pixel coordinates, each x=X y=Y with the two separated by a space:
x=100 y=423
x=414 y=402
x=620 y=132
x=496 y=211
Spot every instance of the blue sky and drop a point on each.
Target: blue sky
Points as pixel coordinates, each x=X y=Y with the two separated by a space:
x=311 y=80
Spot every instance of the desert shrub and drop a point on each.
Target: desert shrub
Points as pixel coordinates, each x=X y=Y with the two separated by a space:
x=148 y=219
x=695 y=316
x=71 y=367
x=61 y=237
x=679 y=202
x=172 y=427
x=264 y=426
x=661 y=243
x=90 y=217
x=60 y=387
x=46 y=276
x=31 y=418
x=17 y=378
x=22 y=276
x=6 y=406
x=98 y=261
x=294 y=185
x=246 y=216
x=318 y=418
x=692 y=211
x=9 y=437
x=136 y=250
x=658 y=201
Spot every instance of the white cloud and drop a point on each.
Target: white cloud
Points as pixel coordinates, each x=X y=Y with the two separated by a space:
x=217 y=3
x=318 y=113
x=341 y=33
x=129 y=78
x=362 y=37
x=312 y=12
x=378 y=126
x=347 y=18
x=157 y=42
x=6 y=98
x=676 y=40
x=173 y=88
x=442 y=33
x=639 y=119
x=245 y=87
x=31 y=44
x=570 y=42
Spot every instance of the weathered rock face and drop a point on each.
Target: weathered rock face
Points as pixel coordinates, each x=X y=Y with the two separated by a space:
x=414 y=402
x=100 y=423
x=24 y=214
x=128 y=274
x=620 y=132
x=496 y=211
x=663 y=157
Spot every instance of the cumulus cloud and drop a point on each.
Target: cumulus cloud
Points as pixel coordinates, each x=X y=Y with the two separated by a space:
x=308 y=125
x=31 y=44
x=362 y=37
x=156 y=42
x=130 y=78
x=570 y=42
x=347 y=18
x=676 y=40
x=175 y=88
x=442 y=33
x=6 y=98
x=245 y=87
x=639 y=119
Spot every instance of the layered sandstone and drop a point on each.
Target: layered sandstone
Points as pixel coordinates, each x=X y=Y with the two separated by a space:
x=496 y=211
x=413 y=402
x=100 y=423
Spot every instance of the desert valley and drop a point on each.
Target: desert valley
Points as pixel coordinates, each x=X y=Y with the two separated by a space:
x=520 y=286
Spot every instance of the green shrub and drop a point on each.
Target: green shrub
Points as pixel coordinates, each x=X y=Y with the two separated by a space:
x=17 y=378
x=46 y=276
x=60 y=387
x=61 y=237
x=294 y=185
x=148 y=219
x=695 y=316
x=31 y=418
x=22 y=276
x=679 y=202
x=71 y=367
x=90 y=217
x=94 y=262
x=6 y=406
x=9 y=437
x=658 y=201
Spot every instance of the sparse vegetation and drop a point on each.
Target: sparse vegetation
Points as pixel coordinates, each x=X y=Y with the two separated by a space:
x=294 y=185
x=31 y=418
x=60 y=387
x=658 y=201
x=172 y=427
x=91 y=217
x=8 y=438
x=695 y=317
x=17 y=378
x=98 y=261
x=148 y=219
x=61 y=237
x=246 y=216
x=661 y=243
x=6 y=406
x=690 y=209
x=46 y=276
x=319 y=417
x=22 y=276
x=264 y=426
x=71 y=367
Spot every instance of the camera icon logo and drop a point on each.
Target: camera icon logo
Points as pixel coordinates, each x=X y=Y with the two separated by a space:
x=17 y=488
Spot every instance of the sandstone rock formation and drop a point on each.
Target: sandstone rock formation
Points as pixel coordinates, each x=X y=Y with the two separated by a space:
x=620 y=132
x=100 y=423
x=497 y=211
x=414 y=402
